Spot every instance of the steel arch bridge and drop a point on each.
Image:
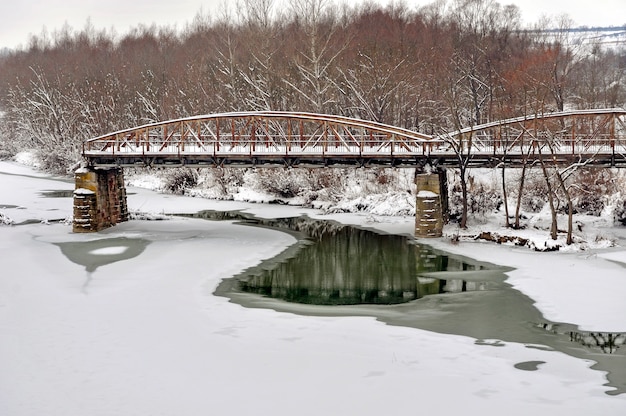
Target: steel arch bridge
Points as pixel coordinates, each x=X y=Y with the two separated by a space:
x=596 y=136
x=289 y=139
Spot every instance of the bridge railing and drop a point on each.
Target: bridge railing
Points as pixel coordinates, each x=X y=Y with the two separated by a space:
x=266 y=134
x=274 y=137
x=245 y=145
x=570 y=145
x=586 y=133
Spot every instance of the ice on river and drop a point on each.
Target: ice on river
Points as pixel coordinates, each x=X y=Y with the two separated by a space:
x=145 y=336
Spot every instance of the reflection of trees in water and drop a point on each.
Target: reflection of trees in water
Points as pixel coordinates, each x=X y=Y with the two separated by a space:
x=504 y=314
x=341 y=264
x=607 y=342
x=344 y=265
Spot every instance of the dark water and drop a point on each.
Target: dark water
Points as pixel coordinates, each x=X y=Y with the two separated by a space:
x=58 y=193
x=96 y=253
x=351 y=266
x=63 y=193
x=338 y=270
x=335 y=264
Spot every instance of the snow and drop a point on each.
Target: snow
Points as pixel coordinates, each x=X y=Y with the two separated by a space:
x=380 y=204
x=26 y=158
x=83 y=191
x=145 y=336
x=5 y=220
x=109 y=251
x=559 y=283
x=426 y=194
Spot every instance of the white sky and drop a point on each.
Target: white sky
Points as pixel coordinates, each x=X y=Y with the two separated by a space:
x=23 y=18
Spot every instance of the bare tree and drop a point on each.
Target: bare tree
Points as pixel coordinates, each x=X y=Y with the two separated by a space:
x=561 y=175
x=317 y=51
x=257 y=13
x=461 y=144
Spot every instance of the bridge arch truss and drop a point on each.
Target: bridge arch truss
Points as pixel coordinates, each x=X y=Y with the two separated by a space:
x=289 y=139
x=596 y=136
x=266 y=138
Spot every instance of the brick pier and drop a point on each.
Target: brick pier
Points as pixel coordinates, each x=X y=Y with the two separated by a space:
x=99 y=199
x=431 y=204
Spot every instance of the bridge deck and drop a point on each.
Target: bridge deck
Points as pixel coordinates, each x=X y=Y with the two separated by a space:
x=317 y=140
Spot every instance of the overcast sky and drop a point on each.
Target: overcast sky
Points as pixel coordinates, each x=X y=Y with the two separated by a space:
x=19 y=19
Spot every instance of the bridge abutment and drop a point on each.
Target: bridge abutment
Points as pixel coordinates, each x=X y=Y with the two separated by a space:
x=431 y=203
x=99 y=199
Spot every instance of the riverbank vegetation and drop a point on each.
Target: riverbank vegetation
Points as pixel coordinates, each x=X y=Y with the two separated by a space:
x=439 y=68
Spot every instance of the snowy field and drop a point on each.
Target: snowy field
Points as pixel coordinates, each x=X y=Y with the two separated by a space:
x=145 y=336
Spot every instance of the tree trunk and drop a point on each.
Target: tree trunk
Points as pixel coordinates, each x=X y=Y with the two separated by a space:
x=554 y=226
x=463 y=224
x=505 y=196
x=570 y=209
x=520 y=192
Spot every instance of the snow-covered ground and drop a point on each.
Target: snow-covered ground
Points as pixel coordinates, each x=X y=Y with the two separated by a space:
x=145 y=336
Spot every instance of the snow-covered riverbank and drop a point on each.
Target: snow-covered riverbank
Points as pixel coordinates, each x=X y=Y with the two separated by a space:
x=145 y=336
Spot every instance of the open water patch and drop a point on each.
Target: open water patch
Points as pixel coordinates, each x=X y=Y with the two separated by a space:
x=529 y=365
x=339 y=270
x=58 y=193
x=100 y=252
x=351 y=266
x=336 y=264
x=62 y=193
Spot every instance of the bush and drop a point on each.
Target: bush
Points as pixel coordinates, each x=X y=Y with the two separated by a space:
x=325 y=179
x=590 y=190
x=285 y=183
x=57 y=162
x=620 y=211
x=591 y=204
x=479 y=200
x=484 y=200
x=535 y=193
x=226 y=180
x=179 y=180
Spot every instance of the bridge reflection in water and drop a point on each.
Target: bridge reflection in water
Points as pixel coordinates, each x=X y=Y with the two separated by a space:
x=343 y=265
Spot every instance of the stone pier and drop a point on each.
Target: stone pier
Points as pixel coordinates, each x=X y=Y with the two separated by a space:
x=431 y=205
x=99 y=199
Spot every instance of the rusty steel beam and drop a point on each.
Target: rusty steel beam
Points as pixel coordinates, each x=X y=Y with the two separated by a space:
x=259 y=136
x=597 y=135
x=275 y=138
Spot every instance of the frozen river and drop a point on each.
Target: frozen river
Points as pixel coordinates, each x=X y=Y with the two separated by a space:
x=132 y=326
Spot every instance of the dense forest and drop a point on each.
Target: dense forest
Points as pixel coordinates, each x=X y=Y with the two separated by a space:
x=445 y=66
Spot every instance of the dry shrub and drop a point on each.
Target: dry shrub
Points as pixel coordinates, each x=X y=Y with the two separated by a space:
x=285 y=183
x=535 y=192
x=179 y=180
x=591 y=188
x=620 y=211
x=226 y=180
x=56 y=161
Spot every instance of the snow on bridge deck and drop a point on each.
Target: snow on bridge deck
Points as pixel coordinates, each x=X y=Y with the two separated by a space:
x=271 y=138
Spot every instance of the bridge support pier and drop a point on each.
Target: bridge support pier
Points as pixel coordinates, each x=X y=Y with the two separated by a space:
x=99 y=199
x=431 y=204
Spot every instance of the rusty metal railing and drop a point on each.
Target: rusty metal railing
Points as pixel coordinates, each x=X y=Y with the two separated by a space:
x=289 y=138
